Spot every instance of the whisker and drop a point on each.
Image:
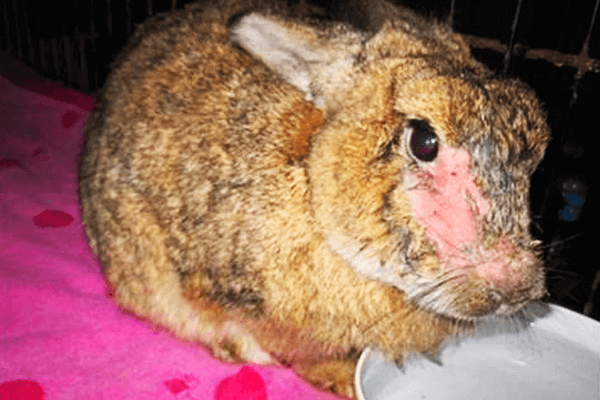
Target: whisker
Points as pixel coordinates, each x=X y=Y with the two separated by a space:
x=562 y=241
x=562 y=272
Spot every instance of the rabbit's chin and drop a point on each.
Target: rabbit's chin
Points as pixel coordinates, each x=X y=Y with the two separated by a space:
x=461 y=294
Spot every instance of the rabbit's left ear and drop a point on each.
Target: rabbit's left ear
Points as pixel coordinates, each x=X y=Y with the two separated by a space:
x=311 y=62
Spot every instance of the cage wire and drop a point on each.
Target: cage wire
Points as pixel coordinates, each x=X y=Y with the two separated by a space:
x=77 y=51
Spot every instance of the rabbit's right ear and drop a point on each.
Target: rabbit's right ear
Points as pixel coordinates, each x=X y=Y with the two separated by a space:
x=315 y=65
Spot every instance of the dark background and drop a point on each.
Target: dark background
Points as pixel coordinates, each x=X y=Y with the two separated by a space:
x=562 y=192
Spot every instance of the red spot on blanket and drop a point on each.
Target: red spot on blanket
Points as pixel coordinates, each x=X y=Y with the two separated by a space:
x=247 y=384
x=69 y=118
x=176 y=385
x=21 y=390
x=52 y=219
x=40 y=153
x=6 y=163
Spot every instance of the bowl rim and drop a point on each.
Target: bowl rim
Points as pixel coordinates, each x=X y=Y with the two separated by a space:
x=584 y=326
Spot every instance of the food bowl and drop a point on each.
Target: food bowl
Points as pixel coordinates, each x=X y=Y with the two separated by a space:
x=546 y=353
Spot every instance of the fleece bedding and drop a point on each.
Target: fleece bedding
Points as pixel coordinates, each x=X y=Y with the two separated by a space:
x=61 y=336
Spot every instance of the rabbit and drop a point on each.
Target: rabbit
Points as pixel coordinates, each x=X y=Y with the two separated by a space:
x=290 y=190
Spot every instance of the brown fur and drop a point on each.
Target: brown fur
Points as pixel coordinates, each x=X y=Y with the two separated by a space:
x=260 y=207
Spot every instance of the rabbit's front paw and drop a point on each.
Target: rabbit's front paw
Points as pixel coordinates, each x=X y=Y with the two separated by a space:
x=238 y=345
x=336 y=376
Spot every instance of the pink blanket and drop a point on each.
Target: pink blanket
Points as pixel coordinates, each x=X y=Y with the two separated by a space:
x=61 y=337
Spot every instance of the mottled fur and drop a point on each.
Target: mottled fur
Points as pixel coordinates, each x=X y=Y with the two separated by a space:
x=247 y=179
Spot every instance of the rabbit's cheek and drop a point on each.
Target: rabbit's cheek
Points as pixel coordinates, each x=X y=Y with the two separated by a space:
x=447 y=203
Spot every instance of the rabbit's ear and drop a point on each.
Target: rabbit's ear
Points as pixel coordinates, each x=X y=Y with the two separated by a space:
x=298 y=54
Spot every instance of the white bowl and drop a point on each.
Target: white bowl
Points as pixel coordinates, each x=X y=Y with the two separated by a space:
x=549 y=353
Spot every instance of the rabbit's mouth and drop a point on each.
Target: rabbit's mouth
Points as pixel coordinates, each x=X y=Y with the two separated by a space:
x=462 y=291
x=472 y=301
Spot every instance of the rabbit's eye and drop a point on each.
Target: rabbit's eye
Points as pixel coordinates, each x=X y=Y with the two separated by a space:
x=423 y=140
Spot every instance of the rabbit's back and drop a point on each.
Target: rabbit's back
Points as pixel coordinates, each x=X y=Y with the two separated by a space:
x=188 y=130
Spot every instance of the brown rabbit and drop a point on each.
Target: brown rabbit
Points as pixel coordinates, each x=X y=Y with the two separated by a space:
x=289 y=191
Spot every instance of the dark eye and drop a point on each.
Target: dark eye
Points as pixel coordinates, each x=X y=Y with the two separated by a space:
x=423 y=140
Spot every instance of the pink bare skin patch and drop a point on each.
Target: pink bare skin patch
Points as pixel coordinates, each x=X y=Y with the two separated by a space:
x=448 y=204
